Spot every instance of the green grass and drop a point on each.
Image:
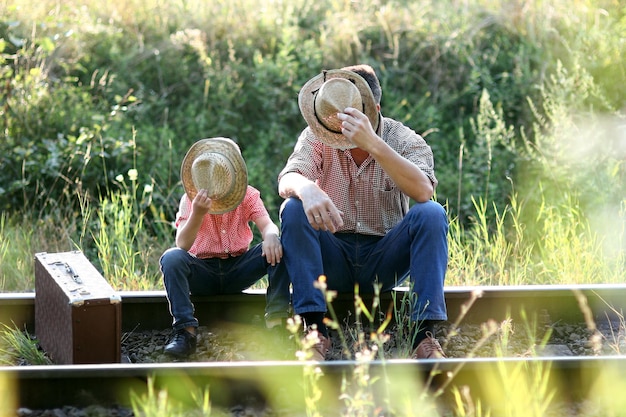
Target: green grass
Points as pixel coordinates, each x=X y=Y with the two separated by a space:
x=20 y=238
x=17 y=346
x=570 y=250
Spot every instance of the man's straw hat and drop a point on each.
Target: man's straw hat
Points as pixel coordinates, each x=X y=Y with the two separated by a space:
x=217 y=166
x=330 y=92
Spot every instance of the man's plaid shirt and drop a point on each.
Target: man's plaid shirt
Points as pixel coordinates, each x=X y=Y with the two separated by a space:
x=368 y=197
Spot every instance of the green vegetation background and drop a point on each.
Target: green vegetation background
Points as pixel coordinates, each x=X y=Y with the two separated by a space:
x=523 y=103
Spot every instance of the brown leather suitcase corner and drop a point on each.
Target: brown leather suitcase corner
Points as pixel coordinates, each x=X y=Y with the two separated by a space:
x=77 y=312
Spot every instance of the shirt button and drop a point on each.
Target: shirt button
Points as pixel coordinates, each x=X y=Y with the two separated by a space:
x=356 y=203
x=223 y=231
x=358 y=224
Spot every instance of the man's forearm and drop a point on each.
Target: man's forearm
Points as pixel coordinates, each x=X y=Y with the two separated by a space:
x=407 y=176
x=291 y=185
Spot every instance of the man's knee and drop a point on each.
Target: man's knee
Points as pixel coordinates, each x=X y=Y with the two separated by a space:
x=430 y=210
x=428 y=216
x=290 y=210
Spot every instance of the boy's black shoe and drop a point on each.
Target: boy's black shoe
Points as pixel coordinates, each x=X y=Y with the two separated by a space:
x=182 y=344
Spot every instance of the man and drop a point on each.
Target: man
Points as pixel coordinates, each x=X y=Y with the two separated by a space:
x=212 y=254
x=347 y=187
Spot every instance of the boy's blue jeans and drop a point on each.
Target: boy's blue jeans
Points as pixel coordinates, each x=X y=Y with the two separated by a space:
x=416 y=248
x=184 y=274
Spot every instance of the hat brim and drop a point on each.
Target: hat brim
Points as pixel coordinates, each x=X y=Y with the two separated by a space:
x=306 y=102
x=229 y=149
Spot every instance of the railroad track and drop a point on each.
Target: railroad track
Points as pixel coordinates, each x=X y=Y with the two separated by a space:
x=282 y=384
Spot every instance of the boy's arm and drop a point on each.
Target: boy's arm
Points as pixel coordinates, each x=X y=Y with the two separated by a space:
x=272 y=248
x=187 y=232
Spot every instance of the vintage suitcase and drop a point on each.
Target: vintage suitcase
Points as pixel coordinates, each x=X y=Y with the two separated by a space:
x=77 y=312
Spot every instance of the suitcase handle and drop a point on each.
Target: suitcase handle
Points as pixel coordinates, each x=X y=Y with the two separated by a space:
x=70 y=271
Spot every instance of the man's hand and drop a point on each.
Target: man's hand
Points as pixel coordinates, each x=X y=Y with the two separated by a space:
x=356 y=127
x=320 y=209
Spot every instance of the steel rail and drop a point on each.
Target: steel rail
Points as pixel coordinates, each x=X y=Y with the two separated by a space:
x=281 y=384
x=148 y=309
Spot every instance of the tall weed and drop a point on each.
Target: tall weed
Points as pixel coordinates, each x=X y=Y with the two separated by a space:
x=485 y=254
x=124 y=255
x=157 y=402
x=363 y=393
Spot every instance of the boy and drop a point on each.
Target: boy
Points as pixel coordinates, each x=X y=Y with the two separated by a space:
x=212 y=253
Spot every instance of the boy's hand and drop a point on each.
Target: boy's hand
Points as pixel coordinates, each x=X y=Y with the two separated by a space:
x=201 y=202
x=272 y=249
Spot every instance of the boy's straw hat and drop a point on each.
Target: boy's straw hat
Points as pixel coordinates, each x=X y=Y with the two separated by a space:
x=216 y=165
x=330 y=92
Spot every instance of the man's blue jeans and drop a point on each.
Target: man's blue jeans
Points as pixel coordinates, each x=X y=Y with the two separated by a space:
x=417 y=248
x=184 y=274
